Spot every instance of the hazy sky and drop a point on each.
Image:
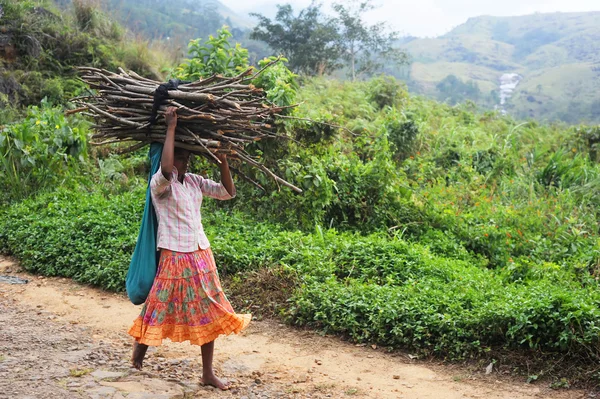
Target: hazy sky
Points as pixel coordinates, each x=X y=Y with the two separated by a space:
x=431 y=17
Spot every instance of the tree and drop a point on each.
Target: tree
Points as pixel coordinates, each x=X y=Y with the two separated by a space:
x=316 y=44
x=309 y=40
x=453 y=90
x=365 y=47
x=539 y=89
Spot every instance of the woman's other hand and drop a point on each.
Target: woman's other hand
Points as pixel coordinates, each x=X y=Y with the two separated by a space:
x=171 y=116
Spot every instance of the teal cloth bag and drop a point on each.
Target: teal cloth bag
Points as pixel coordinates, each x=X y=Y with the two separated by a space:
x=144 y=261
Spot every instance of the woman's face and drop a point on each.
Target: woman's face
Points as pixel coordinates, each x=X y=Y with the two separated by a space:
x=181 y=159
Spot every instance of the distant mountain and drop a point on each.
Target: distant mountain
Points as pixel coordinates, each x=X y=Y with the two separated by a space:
x=554 y=59
x=179 y=20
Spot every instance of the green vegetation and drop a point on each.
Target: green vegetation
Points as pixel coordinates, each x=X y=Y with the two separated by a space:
x=317 y=44
x=74 y=233
x=173 y=23
x=40 y=151
x=422 y=226
x=453 y=91
x=43 y=45
x=214 y=56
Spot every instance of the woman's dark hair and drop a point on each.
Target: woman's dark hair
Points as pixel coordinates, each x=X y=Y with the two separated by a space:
x=181 y=151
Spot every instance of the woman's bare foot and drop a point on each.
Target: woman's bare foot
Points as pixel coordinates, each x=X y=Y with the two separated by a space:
x=212 y=380
x=139 y=352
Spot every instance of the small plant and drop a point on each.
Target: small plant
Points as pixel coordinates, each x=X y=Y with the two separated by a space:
x=386 y=91
x=215 y=56
x=39 y=151
x=563 y=383
x=79 y=372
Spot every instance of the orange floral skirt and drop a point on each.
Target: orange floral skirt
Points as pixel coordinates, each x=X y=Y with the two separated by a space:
x=186 y=302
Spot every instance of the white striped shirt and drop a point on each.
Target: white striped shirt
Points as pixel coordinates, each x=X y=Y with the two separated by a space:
x=177 y=209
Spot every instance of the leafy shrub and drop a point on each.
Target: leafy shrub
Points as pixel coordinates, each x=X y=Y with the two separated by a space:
x=402 y=132
x=386 y=91
x=215 y=56
x=49 y=43
x=40 y=151
x=370 y=288
x=565 y=171
x=460 y=318
x=278 y=82
x=85 y=236
x=87 y=15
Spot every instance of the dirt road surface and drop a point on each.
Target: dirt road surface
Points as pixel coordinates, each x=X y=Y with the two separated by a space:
x=59 y=339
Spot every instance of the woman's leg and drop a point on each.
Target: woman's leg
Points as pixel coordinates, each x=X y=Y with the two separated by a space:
x=139 y=352
x=208 y=374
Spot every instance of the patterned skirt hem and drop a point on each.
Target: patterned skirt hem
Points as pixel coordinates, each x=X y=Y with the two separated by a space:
x=197 y=335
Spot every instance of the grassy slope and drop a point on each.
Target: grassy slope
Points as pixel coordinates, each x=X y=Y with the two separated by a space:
x=557 y=51
x=181 y=20
x=428 y=75
x=47 y=42
x=560 y=88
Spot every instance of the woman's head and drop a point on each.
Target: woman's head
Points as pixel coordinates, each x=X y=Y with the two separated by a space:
x=181 y=159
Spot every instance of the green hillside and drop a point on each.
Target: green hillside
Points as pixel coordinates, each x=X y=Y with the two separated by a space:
x=176 y=22
x=41 y=41
x=556 y=55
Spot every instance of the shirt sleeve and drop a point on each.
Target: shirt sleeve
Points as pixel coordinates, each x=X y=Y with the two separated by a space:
x=159 y=185
x=212 y=189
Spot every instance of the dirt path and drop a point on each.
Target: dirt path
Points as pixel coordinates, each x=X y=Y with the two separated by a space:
x=59 y=339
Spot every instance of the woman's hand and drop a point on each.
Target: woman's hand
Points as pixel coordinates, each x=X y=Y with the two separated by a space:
x=171 y=117
x=221 y=157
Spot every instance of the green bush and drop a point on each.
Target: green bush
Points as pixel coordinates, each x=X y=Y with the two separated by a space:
x=84 y=236
x=402 y=132
x=215 y=56
x=372 y=288
x=462 y=317
x=40 y=151
x=386 y=91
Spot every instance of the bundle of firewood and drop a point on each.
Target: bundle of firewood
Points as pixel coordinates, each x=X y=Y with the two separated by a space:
x=214 y=115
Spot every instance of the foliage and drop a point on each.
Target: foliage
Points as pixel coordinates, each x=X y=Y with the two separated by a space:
x=40 y=151
x=215 y=56
x=309 y=40
x=370 y=288
x=89 y=18
x=46 y=44
x=453 y=91
x=386 y=91
x=365 y=47
x=278 y=82
x=316 y=44
x=84 y=236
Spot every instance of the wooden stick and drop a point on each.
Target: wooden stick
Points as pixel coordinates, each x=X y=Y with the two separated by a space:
x=218 y=115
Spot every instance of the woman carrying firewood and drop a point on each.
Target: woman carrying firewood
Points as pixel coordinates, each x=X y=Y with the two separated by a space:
x=186 y=302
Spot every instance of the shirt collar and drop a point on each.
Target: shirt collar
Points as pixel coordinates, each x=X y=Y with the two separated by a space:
x=176 y=174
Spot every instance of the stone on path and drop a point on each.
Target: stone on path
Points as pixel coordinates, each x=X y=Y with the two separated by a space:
x=105 y=375
x=102 y=393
